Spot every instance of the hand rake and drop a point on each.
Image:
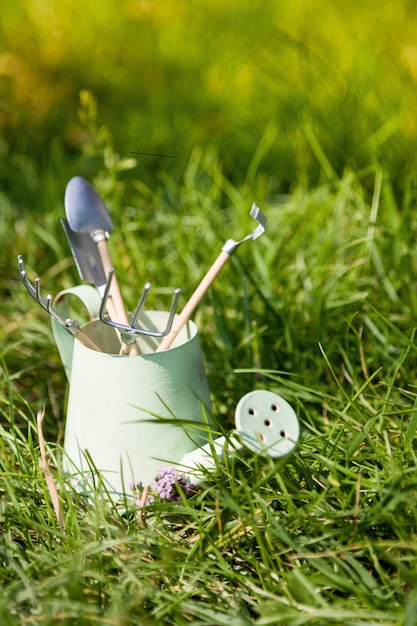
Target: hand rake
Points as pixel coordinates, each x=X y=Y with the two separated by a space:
x=128 y=331
x=46 y=303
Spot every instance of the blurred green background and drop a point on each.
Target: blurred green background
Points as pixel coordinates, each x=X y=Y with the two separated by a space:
x=327 y=84
x=306 y=107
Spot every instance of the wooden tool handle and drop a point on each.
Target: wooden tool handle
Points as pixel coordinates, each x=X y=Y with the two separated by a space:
x=188 y=310
x=86 y=341
x=73 y=327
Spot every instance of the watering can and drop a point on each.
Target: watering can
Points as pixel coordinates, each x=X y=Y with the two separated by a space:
x=129 y=415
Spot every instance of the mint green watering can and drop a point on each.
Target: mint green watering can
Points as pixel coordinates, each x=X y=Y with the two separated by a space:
x=129 y=415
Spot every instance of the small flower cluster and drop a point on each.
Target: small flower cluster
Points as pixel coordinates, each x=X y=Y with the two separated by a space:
x=168 y=485
x=167 y=482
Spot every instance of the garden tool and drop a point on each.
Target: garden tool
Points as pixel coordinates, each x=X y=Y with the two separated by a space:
x=87 y=213
x=88 y=262
x=228 y=249
x=46 y=303
x=87 y=258
x=128 y=331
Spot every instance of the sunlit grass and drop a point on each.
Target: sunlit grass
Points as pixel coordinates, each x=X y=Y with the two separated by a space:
x=321 y=310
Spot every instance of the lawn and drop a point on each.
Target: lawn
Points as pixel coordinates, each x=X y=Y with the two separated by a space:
x=307 y=110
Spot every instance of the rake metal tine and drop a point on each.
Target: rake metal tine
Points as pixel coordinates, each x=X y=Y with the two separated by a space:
x=151 y=333
x=35 y=292
x=46 y=303
x=172 y=311
x=127 y=332
x=28 y=285
x=52 y=312
x=125 y=337
x=21 y=265
x=141 y=304
x=124 y=329
x=104 y=299
x=39 y=298
x=154 y=333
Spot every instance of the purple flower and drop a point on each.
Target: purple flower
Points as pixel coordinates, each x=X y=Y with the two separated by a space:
x=167 y=482
x=168 y=485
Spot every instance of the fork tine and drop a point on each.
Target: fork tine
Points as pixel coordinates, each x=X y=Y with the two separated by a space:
x=140 y=305
x=105 y=297
x=127 y=331
x=177 y=293
x=34 y=290
x=28 y=285
x=21 y=264
x=166 y=330
x=53 y=312
x=39 y=298
x=133 y=329
x=46 y=303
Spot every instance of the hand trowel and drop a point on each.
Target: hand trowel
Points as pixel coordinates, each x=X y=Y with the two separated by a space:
x=88 y=261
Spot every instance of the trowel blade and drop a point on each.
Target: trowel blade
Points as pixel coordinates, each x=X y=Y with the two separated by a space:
x=86 y=211
x=86 y=256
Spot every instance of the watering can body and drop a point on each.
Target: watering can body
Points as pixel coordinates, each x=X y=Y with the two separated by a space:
x=129 y=416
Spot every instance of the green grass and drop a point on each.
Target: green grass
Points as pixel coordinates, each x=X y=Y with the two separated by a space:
x=320 y=309
x=308 y=111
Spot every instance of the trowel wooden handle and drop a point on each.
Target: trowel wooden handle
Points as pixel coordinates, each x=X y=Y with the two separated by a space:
x=198 y=294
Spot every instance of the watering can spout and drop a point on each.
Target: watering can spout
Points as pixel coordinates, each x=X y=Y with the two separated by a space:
x=265 y=424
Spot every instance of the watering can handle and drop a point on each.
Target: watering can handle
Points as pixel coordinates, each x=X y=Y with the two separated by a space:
x=91 y=299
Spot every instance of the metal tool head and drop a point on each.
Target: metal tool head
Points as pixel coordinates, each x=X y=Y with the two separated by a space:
x=86 y=256
x=260 y=217
x=46 y=303
x=231 y=245
x=85 y=210
x=128 y=332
